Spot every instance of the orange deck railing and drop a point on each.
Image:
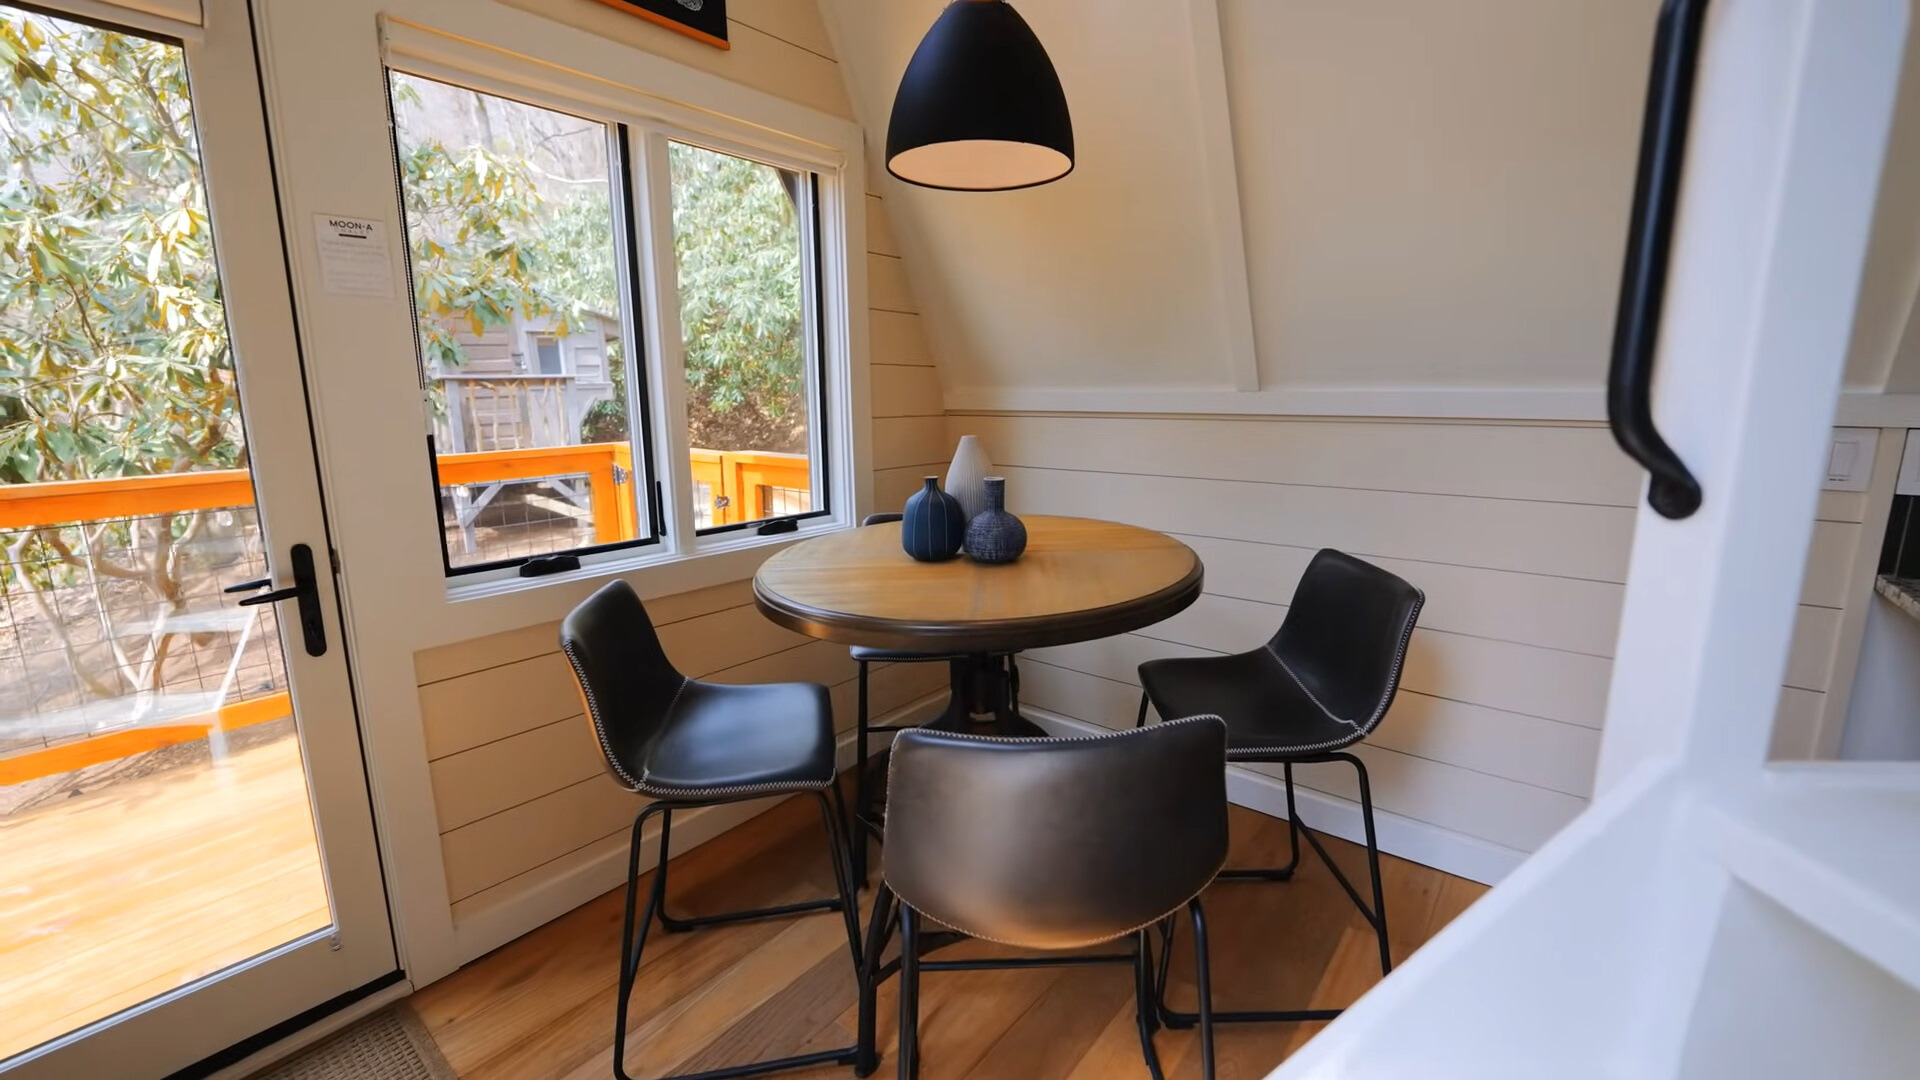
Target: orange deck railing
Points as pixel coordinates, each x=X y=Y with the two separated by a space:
x=744 y=482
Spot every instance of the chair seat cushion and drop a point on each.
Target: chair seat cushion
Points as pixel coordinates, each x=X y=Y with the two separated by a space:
x=723 y=740
x=1268 y=712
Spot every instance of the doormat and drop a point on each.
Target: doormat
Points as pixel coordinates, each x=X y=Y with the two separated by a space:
x=389 y=1045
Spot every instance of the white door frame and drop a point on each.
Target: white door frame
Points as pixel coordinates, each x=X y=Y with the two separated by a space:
x=179 y=1028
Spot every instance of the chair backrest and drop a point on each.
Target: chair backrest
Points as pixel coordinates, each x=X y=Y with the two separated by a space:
x=1345 y=635
x=626 y=680
x=1056 y=843
x=880 y=519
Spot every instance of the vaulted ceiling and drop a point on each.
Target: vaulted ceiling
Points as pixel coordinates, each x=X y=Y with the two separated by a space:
x=1315 y=194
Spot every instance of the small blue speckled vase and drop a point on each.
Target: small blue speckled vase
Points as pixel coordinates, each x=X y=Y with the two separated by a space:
x=933 y=526
x=995 y=536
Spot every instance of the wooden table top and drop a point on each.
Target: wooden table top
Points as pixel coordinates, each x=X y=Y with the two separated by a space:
x=1079 y=579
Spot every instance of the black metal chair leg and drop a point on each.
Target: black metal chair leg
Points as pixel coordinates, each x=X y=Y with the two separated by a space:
x=1379 y=915
x=831 y=819
x=1280 y=873
x=879 y=932
x=908 y=1056
x=631 y=943
x=1146 y=1015
x=1163 y=1014
x=680 y=926
x=1203 y=987
x=1141 y=720
x=1143 y=974
x=633 y=939
x=1375 y=915
x=859 y=824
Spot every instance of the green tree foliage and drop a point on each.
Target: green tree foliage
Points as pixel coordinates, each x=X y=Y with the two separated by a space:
x=509 y=216
x=486 y=244
x=113 y=345
x=736 y=238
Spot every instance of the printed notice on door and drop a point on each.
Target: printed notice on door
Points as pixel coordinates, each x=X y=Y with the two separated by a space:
x=354 y=260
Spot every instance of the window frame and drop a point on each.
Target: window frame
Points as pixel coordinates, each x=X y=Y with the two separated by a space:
x=812 y=279
x=643 y=480
x=560 y=350
x=825 y=150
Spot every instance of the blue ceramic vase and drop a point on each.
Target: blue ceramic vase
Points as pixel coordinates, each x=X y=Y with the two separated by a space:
x=933 y=525
x=995 y=536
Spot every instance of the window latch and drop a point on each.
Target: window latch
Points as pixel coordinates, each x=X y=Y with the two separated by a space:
x=549 y=564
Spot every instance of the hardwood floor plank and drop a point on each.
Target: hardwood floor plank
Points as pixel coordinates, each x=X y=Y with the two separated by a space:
x=1353 y=970
x=789 y=1022
x=1050 y=1038
x=1115 y=1055
x=542 y=1006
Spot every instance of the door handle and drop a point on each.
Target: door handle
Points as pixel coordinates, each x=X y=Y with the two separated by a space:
x=305 y=589
x=1672 y=490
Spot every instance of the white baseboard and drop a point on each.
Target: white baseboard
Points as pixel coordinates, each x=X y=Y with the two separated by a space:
x=1418 y=841
x=547 y=899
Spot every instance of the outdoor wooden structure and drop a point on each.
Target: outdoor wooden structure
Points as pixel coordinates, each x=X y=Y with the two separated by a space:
x=744 y=487
x=750 y=485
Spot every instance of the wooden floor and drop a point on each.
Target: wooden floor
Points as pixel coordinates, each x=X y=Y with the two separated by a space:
x=542 y=1006
x=119 y=894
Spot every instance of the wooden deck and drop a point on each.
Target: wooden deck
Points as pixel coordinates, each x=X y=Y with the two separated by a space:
x=114 y=896
x=542 y=1006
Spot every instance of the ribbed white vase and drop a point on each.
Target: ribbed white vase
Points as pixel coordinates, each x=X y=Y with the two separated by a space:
x=967 y=476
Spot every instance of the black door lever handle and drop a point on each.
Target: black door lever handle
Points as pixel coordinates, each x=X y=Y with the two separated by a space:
x=1672 y=490
x=305 y=589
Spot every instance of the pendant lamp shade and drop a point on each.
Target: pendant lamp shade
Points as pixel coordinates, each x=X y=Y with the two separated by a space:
x=980 y=107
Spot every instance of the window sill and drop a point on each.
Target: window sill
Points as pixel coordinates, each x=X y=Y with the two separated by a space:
x=716 y=560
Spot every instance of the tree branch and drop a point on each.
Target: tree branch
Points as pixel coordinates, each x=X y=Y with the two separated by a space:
x=99 y=565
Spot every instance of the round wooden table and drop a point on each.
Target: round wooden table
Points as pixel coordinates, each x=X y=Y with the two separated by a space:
x=1080 y=579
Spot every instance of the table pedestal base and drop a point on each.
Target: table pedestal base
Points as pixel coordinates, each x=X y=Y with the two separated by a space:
x=983 y=701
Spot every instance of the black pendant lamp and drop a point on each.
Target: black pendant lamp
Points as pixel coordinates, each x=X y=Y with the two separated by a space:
x=980 y=107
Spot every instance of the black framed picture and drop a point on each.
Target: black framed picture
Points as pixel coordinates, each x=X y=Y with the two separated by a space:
x=702 y=19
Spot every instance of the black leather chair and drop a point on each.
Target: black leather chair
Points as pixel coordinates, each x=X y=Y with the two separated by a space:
x=688 y=744
x=1320 y=685
x=866 y=824
x=1047 y=844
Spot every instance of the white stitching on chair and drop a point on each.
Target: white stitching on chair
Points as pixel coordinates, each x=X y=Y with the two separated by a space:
x=1360 y=730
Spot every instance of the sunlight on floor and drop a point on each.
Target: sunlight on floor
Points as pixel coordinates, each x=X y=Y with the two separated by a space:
x=115 y=895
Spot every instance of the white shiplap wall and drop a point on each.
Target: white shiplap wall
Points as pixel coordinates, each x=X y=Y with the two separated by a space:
x=518 y=779
x=529 y=823
x=909 y=428
x=518 y=782
x=1519 y=534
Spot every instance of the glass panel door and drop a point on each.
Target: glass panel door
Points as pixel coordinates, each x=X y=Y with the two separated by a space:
x=170 y=757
